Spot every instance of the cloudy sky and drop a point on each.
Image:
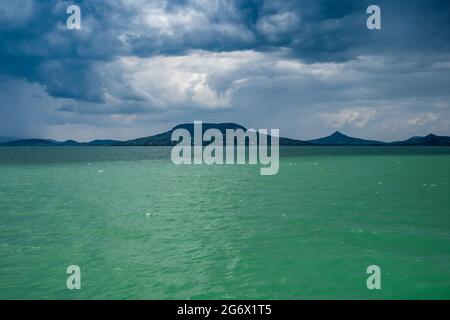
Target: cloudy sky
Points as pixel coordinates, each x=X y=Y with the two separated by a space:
x=307 y=67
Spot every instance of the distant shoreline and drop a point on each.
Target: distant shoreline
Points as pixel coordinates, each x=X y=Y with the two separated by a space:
x=164 y=140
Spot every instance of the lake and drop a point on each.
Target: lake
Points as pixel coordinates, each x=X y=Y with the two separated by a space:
x=140 y=227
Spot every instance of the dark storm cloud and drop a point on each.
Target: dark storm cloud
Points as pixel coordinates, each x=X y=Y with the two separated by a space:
x=36 y=45
x=317 y=30
x=35 y=42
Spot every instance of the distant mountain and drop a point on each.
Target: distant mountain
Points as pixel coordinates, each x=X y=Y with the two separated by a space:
x=293 y=143
x=54 y=143
x=429 y=140
x=9 y=139
x=339 y=139
x=68 y=143
x=30 y=143
x=102 y=143
x=164 y=139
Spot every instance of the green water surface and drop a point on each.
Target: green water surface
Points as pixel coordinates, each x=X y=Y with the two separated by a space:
x=140 y=227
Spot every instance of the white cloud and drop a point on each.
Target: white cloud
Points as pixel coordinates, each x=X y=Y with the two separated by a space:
x=422 y=119
x=205 y=80
x=193 y=20
x=358 y=117
x=353 y=96
x=276 y=25
x=173 y=81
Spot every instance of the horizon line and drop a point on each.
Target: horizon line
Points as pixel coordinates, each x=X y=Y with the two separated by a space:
x=337 y=132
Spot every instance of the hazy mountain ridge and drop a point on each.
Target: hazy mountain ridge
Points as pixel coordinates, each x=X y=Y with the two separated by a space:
x=429 y=140
x=9 y=139
x=164 y=139
x=339 y=139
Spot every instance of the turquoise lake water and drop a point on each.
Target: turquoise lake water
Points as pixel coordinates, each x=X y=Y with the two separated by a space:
x=140 y=227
